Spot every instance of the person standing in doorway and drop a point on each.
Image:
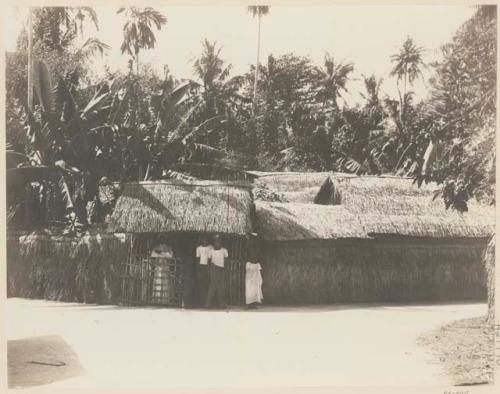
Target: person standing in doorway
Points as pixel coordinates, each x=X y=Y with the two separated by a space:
x=202 y=272
x=253 y=277
x=162 y=250
x=217 y=287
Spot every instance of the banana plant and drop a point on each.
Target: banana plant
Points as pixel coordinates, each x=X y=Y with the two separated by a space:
x=60 y=152
x=73 y=145
x=166 y=138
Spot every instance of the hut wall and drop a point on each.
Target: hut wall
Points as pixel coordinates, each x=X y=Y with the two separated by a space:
x=72 y=269
x=334 y=271
x=87 y=269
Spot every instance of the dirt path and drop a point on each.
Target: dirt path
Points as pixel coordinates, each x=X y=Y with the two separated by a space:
x=373 y=345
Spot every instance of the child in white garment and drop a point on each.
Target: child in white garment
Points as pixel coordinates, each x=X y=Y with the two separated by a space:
x=253 y=277
x=253 y=285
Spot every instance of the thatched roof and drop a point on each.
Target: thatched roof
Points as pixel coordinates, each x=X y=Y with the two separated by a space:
x=369 y=206
x=299 y=187
x=392 y=195
x=295 y=221
x=176 y=206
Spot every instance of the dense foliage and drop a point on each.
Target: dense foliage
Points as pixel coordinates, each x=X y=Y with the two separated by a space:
x=83 y=134
x=463 y=107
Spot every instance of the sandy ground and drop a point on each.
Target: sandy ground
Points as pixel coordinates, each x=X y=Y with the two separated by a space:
x=466 y=349
x=364 y=345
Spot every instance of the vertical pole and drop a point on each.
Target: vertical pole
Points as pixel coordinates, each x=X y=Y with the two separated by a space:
x=30 y=61
x=256 y=66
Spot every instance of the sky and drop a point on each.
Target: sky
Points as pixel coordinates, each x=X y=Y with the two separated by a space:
x=366 y=35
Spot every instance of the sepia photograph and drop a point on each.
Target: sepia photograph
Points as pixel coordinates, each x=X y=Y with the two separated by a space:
x=262 y=196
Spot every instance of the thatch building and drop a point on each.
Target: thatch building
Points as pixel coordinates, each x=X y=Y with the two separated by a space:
x=112 y=265
x=182 y=211
x=367 y=239
x=377 y=239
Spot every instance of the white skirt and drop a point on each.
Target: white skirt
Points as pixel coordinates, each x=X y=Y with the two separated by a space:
x=253 y=283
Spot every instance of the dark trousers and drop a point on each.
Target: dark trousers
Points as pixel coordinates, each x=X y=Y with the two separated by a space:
x=217 y=287
x=202 y=279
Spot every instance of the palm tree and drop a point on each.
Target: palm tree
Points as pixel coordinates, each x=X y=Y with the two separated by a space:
x=372 y=87
x=210 y=69
x=334 y=78
x=137 y=31
x=257 y=11
x=407 y=67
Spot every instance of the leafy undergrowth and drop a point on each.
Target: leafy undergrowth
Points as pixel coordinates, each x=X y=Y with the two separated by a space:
x=465 y=349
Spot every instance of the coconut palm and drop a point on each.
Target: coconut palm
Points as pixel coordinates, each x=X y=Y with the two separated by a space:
x=213 y=74
x=333 y=80
x=408 y=65
x=137 y=31
x=209 y=67
x=372 y=87
x=257 y=11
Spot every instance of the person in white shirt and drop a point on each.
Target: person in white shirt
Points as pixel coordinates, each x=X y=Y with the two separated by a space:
x=202 y=273
x=217 y=287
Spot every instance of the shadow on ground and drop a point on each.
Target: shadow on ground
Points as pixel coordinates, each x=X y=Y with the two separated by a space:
x=40 y=360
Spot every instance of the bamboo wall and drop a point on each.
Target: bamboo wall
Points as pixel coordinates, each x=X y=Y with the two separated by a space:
x=373 y=271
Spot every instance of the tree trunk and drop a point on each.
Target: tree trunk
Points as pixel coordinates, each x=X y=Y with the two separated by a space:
x=30 y=61
x=148 y=168
x=400 y=105
x=403 y=106
x=256 y=67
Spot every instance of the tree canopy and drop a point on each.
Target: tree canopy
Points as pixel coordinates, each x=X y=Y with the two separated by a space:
x=145 y=126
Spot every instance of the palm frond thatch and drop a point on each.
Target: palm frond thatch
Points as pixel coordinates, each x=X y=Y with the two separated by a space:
x=183 y=206
x=393 y=195
x=300 y=187
x=368 y=206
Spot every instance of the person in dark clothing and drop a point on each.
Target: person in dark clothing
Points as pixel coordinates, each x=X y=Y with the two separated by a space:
x=217 y=287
